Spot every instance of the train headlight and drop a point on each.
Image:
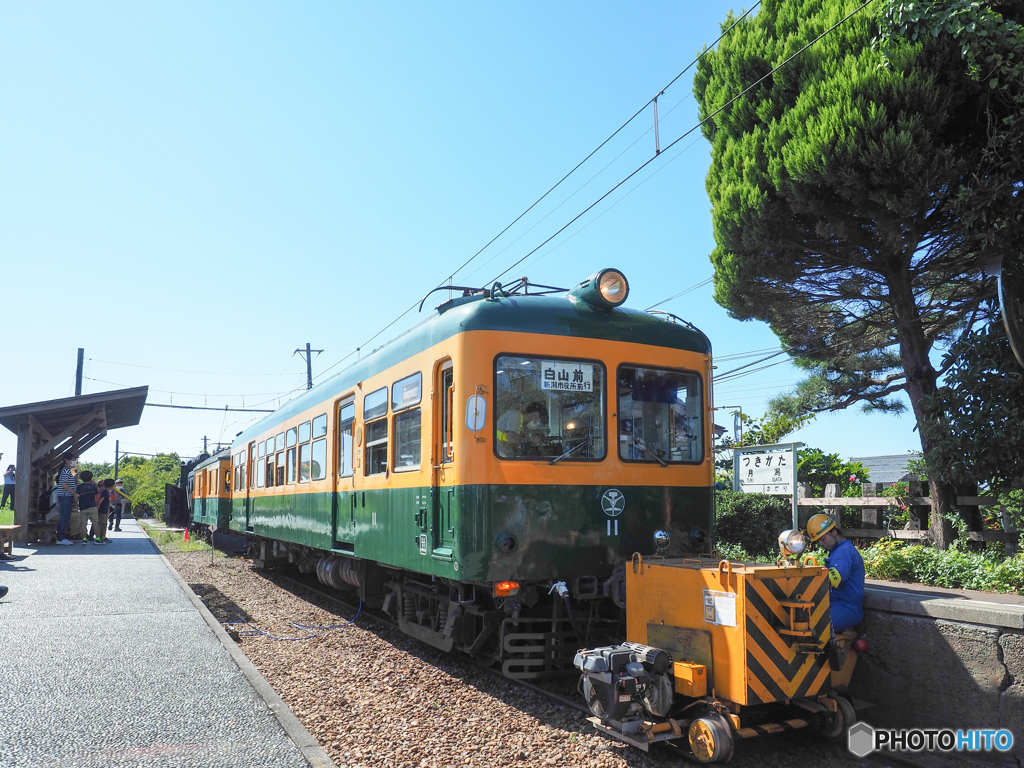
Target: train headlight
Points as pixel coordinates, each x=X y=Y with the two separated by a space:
x=792 y=542
x=662 y=540
x=606 y=290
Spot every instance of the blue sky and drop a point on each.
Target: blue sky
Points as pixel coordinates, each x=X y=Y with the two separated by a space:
x=192 y=191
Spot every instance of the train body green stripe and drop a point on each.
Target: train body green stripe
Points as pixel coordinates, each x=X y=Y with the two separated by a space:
x=486 y=532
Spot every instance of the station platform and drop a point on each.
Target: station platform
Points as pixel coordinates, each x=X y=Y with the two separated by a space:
x=107 y=659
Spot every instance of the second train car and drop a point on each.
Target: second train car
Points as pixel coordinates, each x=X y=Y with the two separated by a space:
x=484 y=476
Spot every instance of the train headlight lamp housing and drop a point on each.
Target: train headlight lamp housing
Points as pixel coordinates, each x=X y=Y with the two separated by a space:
x=792 y=543
x=605 y=290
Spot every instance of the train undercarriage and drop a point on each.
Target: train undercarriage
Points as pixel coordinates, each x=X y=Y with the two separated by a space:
x=532 y=631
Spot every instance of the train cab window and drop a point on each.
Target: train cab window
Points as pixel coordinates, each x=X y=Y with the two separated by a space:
x=346 y=419
x=549 y=409
x=304 y=432
x=320 y=426
x=659 y=415
x=318 y=461
x=291 y=465
x=279 y=443
x=304 y=463
x=289 y=438
x=279 y=476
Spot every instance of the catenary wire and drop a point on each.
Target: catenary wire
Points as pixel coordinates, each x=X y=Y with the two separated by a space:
x=683 y=136
x=601 y=145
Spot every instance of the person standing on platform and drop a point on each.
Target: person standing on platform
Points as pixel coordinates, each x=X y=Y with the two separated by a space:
x=117 y=504
x=66 y=485
x=106 y=489
x=8 y=487
x=88 y=495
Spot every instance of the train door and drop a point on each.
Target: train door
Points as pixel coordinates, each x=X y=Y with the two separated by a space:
x=346 y=500
x=442 y=487
x=250 y=481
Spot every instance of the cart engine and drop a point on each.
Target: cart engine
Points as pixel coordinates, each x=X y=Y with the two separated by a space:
x=622 y=682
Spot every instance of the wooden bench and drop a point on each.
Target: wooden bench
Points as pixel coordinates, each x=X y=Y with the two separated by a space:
x=7 y=538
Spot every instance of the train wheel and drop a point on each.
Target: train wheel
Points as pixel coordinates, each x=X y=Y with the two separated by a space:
x=711 y=739
x=839 y=722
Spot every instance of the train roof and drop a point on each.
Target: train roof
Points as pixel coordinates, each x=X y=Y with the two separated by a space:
x=221 y=455
x=548 y=315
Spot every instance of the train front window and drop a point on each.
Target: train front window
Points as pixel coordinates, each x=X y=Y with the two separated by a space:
x=660 y=416
x=549 y=409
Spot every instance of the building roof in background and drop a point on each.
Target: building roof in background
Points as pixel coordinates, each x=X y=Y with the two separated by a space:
x=890 y=468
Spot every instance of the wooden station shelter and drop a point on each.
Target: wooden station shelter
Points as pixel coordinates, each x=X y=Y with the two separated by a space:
x=48 y=430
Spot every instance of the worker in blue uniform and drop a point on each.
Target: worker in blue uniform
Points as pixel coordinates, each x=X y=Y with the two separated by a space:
x=845 y=573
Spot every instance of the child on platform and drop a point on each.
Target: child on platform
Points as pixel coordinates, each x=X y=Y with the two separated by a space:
x=105 y=489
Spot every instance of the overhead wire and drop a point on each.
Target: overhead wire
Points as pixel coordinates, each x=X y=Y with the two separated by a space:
x=700 y=123
x=599 y=146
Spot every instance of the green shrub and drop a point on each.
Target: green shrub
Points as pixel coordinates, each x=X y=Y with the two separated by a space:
x=987 y=571
x=751 y=521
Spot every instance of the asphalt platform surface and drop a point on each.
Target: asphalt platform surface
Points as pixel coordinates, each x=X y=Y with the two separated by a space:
x=104 y=661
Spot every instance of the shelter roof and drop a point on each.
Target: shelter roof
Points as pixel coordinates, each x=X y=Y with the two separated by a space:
x=123 y=408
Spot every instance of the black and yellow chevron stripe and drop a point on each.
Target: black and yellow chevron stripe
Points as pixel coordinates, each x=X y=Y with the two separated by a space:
x=775 y=670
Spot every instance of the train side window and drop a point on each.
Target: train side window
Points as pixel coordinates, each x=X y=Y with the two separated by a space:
x=260 y=471
x=304 y=463
x=270 y=446
x=240 y=474
x=375 y=404
x=262 y=450
x=377 y=446
x=407 y=439
x=318 y=463
x=320 y=426
x=304 y=432
x=291 y=465
x=289 y=438
x=406 y=392
x=279 y=443
x=270 y=470
x=279 y=477
x=346 y=420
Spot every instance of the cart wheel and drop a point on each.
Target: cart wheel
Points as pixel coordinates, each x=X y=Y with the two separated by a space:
x=837 y=724
x=711 y=739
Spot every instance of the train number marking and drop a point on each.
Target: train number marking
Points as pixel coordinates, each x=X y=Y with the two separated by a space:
x=423 y=543
x=613 y=502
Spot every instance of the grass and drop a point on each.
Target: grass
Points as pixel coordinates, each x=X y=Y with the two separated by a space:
x=6 y=516
x=174 y=541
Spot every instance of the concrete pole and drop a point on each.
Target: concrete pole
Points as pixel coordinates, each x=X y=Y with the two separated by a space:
x=309 y=367
x=78 y=372
x=117 y=456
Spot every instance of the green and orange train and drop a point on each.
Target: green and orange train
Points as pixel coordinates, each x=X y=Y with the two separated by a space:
x=484 y=477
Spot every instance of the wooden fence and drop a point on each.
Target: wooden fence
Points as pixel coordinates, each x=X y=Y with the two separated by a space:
x=918 y=507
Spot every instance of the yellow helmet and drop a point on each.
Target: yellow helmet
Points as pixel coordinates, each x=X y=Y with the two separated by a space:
x=819 y=525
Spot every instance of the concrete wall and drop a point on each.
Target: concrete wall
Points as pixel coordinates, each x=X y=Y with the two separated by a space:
x=935 y=661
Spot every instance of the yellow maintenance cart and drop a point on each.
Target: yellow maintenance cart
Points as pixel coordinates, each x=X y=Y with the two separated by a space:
x=718 y=651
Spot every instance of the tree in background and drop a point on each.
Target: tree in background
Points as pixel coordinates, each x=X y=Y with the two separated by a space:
x=818 y=469
x=144 y=478
x=832 y=184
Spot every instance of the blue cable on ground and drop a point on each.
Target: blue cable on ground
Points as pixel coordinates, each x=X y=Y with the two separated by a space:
x=307 y=628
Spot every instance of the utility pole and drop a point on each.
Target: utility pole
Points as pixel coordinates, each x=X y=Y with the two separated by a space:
x=204 y=443
x=117 y=456
x=78 y=372
x=309 y=365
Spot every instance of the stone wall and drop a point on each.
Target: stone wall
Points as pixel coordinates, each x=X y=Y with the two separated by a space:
x=934 y=661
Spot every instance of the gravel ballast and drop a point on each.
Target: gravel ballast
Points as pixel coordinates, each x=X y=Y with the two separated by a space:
x=372 y=696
